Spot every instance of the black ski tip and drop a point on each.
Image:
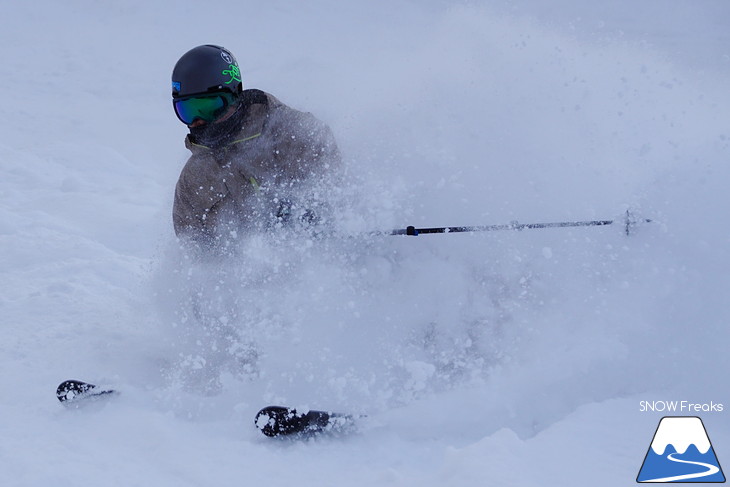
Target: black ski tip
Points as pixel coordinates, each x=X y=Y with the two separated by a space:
x=282 y=421
x=70 y=391
x=274 y=421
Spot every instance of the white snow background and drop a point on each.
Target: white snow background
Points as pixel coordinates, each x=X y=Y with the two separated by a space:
x=512 y=358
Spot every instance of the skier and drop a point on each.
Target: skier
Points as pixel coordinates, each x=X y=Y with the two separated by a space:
x=255 y=161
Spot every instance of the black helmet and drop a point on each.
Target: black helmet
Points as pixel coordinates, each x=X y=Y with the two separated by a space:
x=206 y=69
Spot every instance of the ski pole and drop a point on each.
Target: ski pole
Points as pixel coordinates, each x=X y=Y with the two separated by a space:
x=628 y=221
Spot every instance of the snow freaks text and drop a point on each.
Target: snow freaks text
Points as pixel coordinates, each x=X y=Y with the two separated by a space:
x=680 y=407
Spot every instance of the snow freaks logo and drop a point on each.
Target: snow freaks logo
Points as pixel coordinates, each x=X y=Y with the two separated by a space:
x=680 y=407
x=680 y=452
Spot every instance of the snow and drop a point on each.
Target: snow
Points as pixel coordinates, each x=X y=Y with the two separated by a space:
x=507 y=358
x=689 y=429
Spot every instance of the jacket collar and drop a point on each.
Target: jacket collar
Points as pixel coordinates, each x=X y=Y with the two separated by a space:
x=196 y=148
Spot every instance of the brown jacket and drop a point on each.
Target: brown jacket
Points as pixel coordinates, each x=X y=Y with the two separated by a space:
x=276 y=153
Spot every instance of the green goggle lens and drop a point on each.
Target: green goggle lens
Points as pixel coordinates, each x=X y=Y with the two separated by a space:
x=205 y=107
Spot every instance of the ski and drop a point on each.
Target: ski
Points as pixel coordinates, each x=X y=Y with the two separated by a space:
x=272 y=421
x=277 y=421
x=72 y=392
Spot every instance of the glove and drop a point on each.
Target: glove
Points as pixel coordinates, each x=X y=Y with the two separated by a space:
x=286 y=215
x=283 y=213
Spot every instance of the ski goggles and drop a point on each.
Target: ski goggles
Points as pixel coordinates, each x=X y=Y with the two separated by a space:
x=207 y=107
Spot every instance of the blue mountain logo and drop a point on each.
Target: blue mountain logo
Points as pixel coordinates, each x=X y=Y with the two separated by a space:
x=680 y=452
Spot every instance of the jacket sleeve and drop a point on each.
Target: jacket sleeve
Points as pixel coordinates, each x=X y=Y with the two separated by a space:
x=308 y=165
x=310 y=148
x=196 y=203
x=183 y=213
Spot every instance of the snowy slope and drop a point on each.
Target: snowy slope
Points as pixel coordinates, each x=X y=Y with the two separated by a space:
x=500 y=358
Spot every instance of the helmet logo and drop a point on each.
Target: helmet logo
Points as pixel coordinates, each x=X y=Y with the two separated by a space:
x=233 y=72
x=226 y=57
x=176 y=85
